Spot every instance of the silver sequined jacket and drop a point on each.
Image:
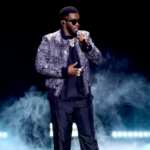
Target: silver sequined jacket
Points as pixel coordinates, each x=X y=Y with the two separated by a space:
x=53 y=54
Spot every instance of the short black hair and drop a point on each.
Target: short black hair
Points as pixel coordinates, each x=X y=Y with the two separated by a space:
x=66 y=10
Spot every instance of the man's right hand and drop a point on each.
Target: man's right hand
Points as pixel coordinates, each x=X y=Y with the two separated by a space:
x=74 y=71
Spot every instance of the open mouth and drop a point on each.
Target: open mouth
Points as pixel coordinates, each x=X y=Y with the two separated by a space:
x=76 y=29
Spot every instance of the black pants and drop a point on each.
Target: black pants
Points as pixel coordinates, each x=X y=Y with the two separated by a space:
x=63 y=114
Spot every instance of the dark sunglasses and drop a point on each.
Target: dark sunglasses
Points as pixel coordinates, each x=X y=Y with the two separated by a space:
x=74 y=21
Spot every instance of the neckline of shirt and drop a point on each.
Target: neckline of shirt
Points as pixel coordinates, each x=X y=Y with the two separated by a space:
x=64 y=36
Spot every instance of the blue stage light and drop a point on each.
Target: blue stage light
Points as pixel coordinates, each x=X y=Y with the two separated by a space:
x=124 y=134
x=130 y=134
x=119 y=134
x=114 y=134
x=145 y=134
x=4 y=134
x=74 y=130
x=135 y=134
x=140 y=134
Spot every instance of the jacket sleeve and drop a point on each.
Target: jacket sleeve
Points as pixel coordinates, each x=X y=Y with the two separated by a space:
x=94 y=54
x=43 y=65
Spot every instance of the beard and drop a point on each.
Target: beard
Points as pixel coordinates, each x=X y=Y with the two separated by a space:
x=71 y=32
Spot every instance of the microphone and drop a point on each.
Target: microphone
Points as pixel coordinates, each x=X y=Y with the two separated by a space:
x=78 y=32
x=85 y=46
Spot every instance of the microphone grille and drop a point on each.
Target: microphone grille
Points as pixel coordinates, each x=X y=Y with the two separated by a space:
x=78 y=32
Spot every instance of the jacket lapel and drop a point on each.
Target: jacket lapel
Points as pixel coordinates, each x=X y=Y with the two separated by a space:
x=79 y=51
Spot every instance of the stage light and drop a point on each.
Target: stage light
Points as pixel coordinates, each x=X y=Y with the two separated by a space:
x=114 y=134
x=74 y=130
x=124 y=134
x=140 y=134
x=51 y=130
x=130 y=134
x=135 y=134
x=119 y=134
x=4 y=134
x=145 y=134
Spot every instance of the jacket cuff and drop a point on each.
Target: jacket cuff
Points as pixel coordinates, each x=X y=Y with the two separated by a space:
x=86 y=47
x=65 y=72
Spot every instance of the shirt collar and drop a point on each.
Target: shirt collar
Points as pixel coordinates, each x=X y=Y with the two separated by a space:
x=64 y=36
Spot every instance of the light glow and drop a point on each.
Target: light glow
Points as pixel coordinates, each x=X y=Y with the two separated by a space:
x=140 y=134
x=131 y=134
x=74 y=130
x=124 y=134
x=135 y=134
x=4 y=134
x=114 y=134
x=145 y=134
x=119 y=134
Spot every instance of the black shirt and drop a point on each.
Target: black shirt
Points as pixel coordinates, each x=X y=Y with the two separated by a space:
x=73 y=88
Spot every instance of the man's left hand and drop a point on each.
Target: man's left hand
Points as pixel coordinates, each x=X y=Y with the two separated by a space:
x=81 y=37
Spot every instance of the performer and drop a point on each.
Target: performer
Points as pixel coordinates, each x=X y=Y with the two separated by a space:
x=64 y=57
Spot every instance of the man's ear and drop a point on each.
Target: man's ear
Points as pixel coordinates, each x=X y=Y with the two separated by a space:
x=63 y=22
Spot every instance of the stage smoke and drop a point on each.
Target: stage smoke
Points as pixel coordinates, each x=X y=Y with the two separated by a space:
x=27 y=120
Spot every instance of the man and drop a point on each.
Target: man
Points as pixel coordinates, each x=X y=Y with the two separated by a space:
x=64 y=57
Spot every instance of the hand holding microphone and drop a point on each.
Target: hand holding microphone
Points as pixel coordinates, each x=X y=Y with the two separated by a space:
x=83 y=39
x=81 y=36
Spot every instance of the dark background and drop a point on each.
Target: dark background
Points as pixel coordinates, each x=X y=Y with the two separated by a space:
x=118 y=28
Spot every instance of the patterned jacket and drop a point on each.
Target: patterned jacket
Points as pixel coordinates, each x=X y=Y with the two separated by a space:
x=52 y=56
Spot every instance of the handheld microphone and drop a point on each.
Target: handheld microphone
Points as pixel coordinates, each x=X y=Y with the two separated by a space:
x=78 y=32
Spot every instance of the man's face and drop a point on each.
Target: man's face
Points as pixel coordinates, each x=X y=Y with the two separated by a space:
x=72 y=29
